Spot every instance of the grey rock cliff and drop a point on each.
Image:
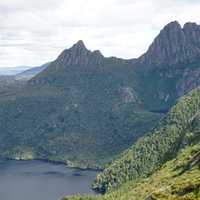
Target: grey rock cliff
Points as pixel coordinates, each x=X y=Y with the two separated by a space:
x=78 y=54
x=174 y=45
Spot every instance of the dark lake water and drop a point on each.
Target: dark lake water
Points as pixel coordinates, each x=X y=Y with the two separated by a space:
x=37 y=180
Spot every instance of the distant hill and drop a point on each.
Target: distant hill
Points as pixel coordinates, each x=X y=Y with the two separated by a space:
x=10 y=71
x=30 y=73
x=13 y=79
x=22 y=72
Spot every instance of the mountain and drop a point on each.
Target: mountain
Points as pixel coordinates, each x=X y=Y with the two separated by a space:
x=171 y=67
x=76 y=111
x=164 y=164
x=78 y=56
x=84 y=109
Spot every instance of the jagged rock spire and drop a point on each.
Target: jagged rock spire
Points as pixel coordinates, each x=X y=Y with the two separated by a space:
x=79 y=45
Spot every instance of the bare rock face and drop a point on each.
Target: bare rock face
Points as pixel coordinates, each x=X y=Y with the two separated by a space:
x=174 y=45
x=128 y=95
x=78 y=54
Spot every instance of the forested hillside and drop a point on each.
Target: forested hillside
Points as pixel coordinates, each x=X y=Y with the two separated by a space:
x=177 y=137
x=157 y=147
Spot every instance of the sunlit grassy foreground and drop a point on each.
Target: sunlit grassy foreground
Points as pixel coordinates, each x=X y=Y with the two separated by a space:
x=177 y=179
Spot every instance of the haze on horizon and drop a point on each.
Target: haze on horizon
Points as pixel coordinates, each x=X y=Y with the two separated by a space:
x=33 y=32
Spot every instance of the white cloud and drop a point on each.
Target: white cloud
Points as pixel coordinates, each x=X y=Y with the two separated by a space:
x=33 y=31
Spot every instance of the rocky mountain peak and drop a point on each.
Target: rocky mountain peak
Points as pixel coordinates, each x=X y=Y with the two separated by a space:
x=174 y=45
x=78 y=54
x=172 y=26
x=79 y=45
x=190 y=25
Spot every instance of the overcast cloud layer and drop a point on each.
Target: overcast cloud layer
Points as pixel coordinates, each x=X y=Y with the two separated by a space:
x=33 y=32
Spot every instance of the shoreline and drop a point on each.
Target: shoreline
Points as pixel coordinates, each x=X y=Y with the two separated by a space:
x=98 y=169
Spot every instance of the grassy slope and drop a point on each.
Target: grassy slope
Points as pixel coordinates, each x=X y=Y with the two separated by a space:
x=178 y=179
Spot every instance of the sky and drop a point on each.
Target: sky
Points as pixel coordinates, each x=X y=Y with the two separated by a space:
x=33 y=32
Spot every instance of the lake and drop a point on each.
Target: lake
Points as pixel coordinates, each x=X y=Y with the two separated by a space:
x=38 y=180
